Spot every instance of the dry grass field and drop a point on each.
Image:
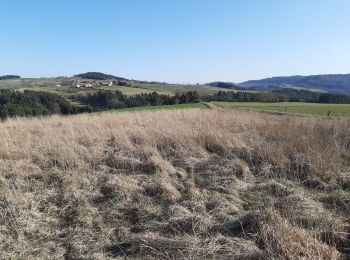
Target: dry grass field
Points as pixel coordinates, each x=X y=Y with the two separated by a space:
x=187 y=184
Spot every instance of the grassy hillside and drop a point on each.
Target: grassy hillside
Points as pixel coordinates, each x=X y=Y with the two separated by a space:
x=63 y=87
x=185 y=184
x=50 y=84
x=293 y=107
x=172 y=89
x=29 y=82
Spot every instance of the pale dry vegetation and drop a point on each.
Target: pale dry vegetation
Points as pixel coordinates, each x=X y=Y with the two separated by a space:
x=188 y=184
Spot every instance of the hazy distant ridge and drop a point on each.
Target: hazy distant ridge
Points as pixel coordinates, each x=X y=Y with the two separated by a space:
x=9 y=77
x=337 y=83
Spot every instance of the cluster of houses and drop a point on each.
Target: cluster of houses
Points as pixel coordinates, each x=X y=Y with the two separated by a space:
x=81 y=83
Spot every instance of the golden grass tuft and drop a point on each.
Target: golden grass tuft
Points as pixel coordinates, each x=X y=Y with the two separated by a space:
x=283 y=241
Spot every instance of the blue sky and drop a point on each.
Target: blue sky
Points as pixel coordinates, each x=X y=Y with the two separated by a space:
x=183 y=41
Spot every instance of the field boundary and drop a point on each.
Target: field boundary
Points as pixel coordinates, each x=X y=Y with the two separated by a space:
x=212 y=105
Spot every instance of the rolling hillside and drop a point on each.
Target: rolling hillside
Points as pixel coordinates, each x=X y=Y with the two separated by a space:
x=334 y=83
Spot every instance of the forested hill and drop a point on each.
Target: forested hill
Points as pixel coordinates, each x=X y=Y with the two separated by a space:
x=335 y=83
x=98 y=76
x=9 y=77
x=221 y=84
x=103 y=76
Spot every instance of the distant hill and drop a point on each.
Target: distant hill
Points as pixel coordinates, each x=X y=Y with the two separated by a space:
x=9 y=77
x=334 y=83
x=220 y=84
x=103 y=76
x=98 y=76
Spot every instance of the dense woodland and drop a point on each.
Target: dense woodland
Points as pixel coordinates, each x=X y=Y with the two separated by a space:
x=32 y=103
x=105 y=99
x=9 y=77
x=97 y=76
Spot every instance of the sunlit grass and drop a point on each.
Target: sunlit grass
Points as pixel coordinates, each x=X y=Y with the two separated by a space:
x=293 y=107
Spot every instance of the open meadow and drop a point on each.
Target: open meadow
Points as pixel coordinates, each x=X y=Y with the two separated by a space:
x=292 y=107
x=175 y=184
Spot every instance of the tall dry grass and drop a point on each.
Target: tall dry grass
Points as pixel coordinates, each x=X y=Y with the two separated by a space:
x=175 y=184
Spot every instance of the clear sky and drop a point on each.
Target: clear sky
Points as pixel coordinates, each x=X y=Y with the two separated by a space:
x=183 y=41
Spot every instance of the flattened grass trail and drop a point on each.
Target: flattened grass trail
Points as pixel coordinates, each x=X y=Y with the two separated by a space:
x=292 y=107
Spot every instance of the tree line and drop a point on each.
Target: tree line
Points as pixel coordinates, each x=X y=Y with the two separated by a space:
x=32 y=103
x=106 y=99
x=281 y=95
x=98 y=76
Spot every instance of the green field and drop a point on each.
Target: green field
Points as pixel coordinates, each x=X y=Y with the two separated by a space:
x=29 y=82
x=50 y=85
x=150 y=108
x=129 y=91
x=292 y=107
x=172 y=89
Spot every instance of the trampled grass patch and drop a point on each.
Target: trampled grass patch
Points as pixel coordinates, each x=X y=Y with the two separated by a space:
x=174 y=184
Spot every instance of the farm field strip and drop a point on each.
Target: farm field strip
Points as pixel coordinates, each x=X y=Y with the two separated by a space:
x=162 y=107
x=292 y=107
